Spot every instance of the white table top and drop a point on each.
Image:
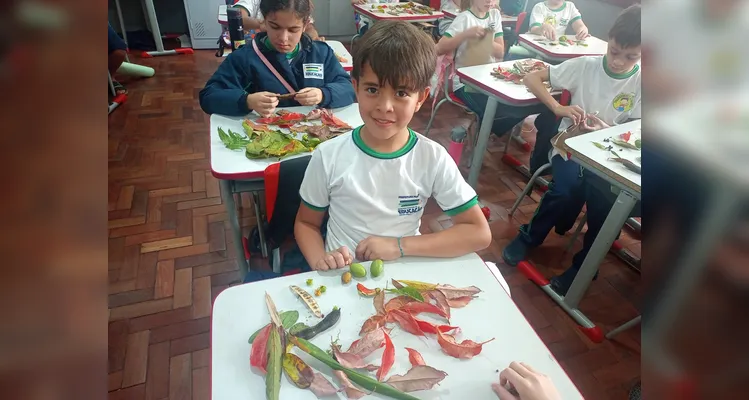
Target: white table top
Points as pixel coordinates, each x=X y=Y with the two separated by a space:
x=583 y=149
x=366 y=10
x=596 y=47
x=232 y=164
x=505 y=18
x=240 y=310
x=506 y=92
x=222 y=19
x=340 y=49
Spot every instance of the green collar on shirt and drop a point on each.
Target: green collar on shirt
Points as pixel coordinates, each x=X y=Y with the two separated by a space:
x=412 y=139
x=474 y=14
x=558 y=9
x=619 y=76
x=289 y=56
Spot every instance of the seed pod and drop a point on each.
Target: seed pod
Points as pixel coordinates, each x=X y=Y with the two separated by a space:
x=346 y=277
x=358 y=270
x=376 y=268
x=309 y=301
x=321 y=326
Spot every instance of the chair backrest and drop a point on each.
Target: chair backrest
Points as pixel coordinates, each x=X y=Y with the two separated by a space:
x=282 y=183
x=521 y=25
x=565 y=98
x=435 y=4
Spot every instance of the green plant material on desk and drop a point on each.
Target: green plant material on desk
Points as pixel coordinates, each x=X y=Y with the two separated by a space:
x=233 y=140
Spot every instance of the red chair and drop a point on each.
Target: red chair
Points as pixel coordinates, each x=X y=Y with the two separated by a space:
x=447 y=72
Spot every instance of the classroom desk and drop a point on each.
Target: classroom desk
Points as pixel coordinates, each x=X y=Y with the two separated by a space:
x=367 y=11
x=341 y=50
x=238 y=174
x=506 y=19
x=597 y=161
x=557 y=54
x=240 y=310
x=499 y=91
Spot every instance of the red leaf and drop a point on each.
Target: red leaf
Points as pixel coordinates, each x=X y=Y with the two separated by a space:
x=369 y=343
x=465 y=349
x=441 y=301
x=460 y=302
x=379 y=302
x=259 y=353
x=268 y=120
x=417 y=307
x=406 y=321
x=292 y=117
x=352 y=392
x=426 y=327
x=420 y=377
x=256 y=127
x=625 y=136
x=372 y=323
x=452 y=292
x=415 y=357
x=388 y=358
x=396 y=303
x=365 y=291
x=321 y=387
x=350 y=360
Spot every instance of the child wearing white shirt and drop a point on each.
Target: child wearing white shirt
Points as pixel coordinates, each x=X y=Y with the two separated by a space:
x=551 y=18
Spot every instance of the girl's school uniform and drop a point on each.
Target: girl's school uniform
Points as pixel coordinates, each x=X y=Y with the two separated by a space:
x=311 y=64
x=560 y=18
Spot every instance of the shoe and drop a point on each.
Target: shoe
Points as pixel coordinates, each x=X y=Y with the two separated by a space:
x=514 y=252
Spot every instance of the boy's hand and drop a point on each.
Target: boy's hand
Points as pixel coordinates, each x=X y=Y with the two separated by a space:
x=309 y=96
x=476 y=32
x=593 y=123
x=263 y=103
x=582 y=33
x=527 y=382
x=548 y=31
x=575 y=113
x=376 y=247
x=334 y=260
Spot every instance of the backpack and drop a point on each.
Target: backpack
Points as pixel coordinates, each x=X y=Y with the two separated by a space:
x=511 y=7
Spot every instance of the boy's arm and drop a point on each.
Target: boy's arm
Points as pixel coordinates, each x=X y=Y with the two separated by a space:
x=536 y=20
x=338 y=90
x=454 y=36
x=498 y=51
x=580 y=29
x=225 y=93
x=469 y=233
x=566 y=76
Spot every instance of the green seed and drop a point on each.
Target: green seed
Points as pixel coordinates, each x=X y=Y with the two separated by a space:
x=376 y=268
x=358 y=270
x=309 y=282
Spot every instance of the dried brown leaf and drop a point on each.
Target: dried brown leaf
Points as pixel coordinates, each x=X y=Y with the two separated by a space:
x=451 y=292
x=460 y=302
x=372 y=323
x=420 y=377
x=379 y=302
x=369 y=343
x=350 y=360
x=441 y=301
x=396 y=303
x=352 y=392
x=321 y=387
x=465 y=349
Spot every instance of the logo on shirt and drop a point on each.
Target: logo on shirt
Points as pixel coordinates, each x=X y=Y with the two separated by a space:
x=313 y=71
x=551 y=20
x=563 y=22
x=623 y=102
x=408 y=205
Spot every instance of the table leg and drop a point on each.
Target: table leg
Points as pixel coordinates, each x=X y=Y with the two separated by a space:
x=236 y=231
x=259 y=219
x=483 y=139
x=151 y=15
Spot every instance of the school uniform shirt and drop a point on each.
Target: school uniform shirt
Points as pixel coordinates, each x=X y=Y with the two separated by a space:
x=362 y=20
x=447 y=5
x=467 y=19
x=616 y=97
x=560 y=18
x=311 y=64
x=368 y=193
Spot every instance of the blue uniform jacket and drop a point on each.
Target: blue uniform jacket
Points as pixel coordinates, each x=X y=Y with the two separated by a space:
x=243 y=72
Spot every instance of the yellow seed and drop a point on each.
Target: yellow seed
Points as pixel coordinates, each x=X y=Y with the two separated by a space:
x=346 y=277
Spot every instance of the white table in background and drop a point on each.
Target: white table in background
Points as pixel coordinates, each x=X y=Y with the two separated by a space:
x=559 y=53
x=498 y=91
x=597 y=161
x=240 y=310
x=340 y=50
x=238 y=174
x=506 y=19
x=376 y=15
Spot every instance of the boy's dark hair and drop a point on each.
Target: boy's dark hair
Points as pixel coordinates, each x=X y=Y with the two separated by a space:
x=302 y=8
x=626 y=29
x=398 y=53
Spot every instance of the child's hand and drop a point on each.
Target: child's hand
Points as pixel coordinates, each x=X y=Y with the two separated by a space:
x=334 y=260
x=575 y=113
x=309 y=96
x=548 y=31
x=263 y=103
x=378 y=248
x=476 y=32
x=593 y=123
x=528 y=383
x=582 y=33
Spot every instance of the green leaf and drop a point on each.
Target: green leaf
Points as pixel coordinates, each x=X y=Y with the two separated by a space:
x=223 y=136
x=289 y=318
x=408 y=291
x=624 y=144
x=273 y=377
x=600 y=146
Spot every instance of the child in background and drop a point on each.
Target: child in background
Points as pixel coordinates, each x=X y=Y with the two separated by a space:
x=452 y=6
x=363 y=23
x=551 y=18
x=252 y=19
x=375 y=181
x=243 y=83
x=478 y=19
x=597 y=84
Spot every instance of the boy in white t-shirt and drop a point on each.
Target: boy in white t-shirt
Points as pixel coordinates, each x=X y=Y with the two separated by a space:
x=606 y=90
x=252 y=18
x=374 y=182
x=551 y=18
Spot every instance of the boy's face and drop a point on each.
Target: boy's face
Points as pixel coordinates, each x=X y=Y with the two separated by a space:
x=386 y=111
x=285 y=30
x=554 y=3
x=621 y=60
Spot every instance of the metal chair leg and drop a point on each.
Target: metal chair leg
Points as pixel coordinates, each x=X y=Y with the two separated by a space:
x=434 y=114
x=576 y=233
x=277 y=260
x=528 y=187
x=627 y=325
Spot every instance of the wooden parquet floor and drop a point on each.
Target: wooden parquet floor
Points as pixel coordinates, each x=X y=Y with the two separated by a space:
x=170 y=253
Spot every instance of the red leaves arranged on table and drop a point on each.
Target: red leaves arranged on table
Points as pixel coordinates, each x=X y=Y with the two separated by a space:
x=406 y=321
x=372 y=323
x=396 y=303
x=388 y=358
x=415 y=357
x=369 y=343
x=465 y=349
x=441 y=301
x=417 y=307
x=332 y=121
x=426 y=327
x=259 y=352
x=267 y=120
x=420 y=377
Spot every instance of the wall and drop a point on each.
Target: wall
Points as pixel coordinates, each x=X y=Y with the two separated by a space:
x=598 y=15
x=170 y=13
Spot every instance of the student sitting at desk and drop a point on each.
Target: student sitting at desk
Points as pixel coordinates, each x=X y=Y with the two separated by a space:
x=551 y=18
x=252 y=19
x=375 y=181
x=363 y=23
x=280 y=61
x=608 y=85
